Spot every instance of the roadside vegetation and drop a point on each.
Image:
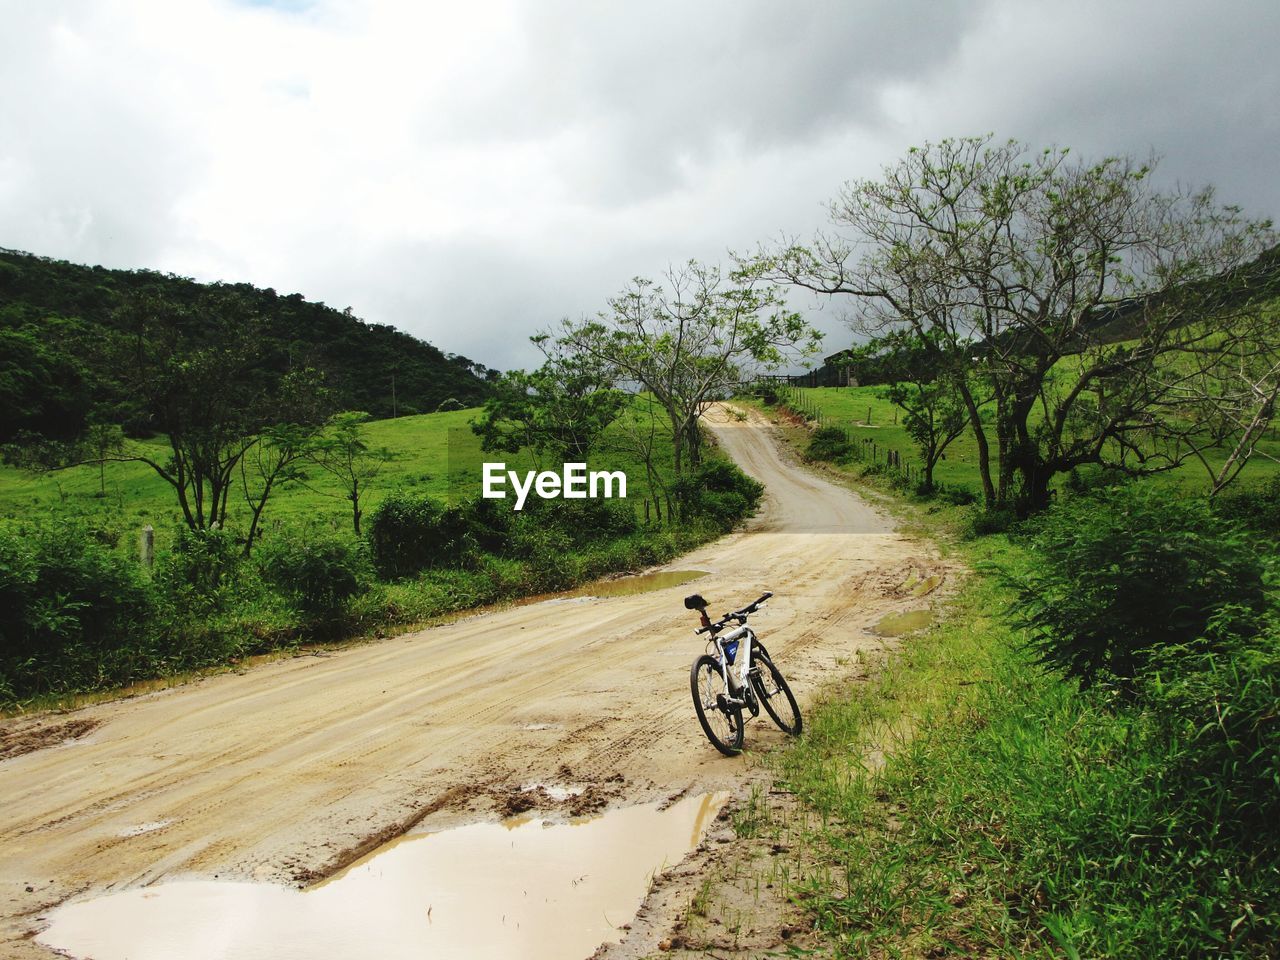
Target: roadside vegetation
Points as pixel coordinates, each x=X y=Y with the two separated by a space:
x=1082 y=758
x=79 y=611
x=1069 y=378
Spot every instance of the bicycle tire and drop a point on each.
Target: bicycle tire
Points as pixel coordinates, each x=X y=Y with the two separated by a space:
x=775 y=695
x=721 y=721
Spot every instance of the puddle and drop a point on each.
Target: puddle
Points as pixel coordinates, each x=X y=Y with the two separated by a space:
x=641 y=583
x=618 y=587
x=530 y=889
x=926 y=586
x=900 y=624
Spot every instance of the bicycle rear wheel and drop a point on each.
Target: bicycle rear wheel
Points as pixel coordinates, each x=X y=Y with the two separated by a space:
x=721 y=720
x=775 y=695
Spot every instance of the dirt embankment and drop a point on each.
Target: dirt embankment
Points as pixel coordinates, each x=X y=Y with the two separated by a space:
x=288 y=772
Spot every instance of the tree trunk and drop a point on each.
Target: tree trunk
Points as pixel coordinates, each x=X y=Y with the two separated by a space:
x=980 y=437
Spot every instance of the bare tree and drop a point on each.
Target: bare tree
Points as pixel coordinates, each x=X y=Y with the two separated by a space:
x=1233 y=393
x=688 y=339
x=1068 y=288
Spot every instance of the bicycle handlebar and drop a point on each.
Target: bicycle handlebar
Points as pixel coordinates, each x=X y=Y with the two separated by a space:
x=739 y=615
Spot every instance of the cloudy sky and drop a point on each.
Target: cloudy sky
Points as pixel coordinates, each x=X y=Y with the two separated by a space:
x=472 y=172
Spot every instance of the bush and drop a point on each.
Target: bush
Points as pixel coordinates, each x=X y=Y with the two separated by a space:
x=1257 y=507
x=201 y=569
x=1221 y=706
x=582 y=522
x=829 y=444
x=985 y=521
x=954 y=495
x=73 y=614
x=317 y=571
x=409 y=534
x=719 y=492
x=1120 y=578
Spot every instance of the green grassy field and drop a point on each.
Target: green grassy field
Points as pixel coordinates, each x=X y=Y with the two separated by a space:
x=967 y=801
x=435 y=454
x=868 y=416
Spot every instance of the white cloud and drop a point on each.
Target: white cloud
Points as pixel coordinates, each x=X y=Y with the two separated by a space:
x=471 y=172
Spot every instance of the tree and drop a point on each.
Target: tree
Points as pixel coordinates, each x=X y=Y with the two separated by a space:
x=925 y=387
x=1073 y=287
x=196 y=369
x=274 y=460
x=342 y=452
x=688 y=339
x=1233 y=392
x=102 y=441
x=43 y=393
x=561 y=408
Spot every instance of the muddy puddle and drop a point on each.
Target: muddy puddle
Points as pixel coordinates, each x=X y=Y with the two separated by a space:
x=624 y=586
x=900 y=624
x=526 y=888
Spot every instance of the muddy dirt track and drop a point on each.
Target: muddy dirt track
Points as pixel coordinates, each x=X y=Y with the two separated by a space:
x=290 y=770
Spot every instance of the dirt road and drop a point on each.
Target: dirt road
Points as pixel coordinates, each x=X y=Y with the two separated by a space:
x=287 y=772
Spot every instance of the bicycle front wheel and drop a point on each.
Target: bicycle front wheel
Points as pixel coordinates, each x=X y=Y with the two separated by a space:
x=775 y=695
x=721 y=720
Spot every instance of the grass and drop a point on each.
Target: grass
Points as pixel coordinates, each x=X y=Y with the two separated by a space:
x=966 y=802
x=434 y=454
x=869 y=417
x=266 y=603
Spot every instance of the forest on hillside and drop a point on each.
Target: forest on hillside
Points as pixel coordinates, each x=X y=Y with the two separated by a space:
x=69 y=343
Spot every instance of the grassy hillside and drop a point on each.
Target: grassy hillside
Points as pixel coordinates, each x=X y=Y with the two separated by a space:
x=870 y=417
x=63 y=333
x=435 y=454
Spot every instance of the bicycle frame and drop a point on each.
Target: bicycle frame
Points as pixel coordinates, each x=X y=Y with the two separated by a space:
x=746 y=644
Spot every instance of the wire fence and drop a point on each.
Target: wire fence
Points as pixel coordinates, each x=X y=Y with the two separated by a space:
x=866 y=450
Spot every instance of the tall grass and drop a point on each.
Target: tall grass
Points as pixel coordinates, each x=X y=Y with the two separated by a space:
x=977 y=804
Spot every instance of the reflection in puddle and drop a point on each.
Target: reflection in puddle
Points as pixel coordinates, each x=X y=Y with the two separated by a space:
x=619 y=586
x=900 y=624
x=533 y=890
x=642 y=583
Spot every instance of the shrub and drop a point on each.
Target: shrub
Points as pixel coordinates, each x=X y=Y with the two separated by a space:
x=201 y=568
x=1221 y=706
x=985 y=521
x=1257 y=507
x=72 y=613
x=317 y=571
x=409 y=533
x=1118 y=579
x=829 y=444
x=583 y=521
x=720 y=492
x=954 y=495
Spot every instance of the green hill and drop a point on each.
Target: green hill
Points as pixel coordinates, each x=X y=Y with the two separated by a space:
x=59 y=322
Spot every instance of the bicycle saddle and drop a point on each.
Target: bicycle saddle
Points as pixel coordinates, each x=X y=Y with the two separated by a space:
x=695 y=602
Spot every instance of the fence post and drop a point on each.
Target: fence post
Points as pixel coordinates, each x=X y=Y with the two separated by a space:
x=147 y=546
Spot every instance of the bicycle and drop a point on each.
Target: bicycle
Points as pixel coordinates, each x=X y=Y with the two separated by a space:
x=721 y=693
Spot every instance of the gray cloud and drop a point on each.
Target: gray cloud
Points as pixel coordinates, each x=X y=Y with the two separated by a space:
x=472 y=173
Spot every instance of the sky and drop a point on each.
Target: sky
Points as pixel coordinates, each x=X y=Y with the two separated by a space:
x=474 y=172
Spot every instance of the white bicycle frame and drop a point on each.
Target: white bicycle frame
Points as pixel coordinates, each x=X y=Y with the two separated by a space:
x=742 y=659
